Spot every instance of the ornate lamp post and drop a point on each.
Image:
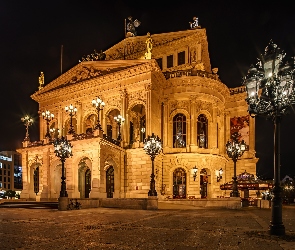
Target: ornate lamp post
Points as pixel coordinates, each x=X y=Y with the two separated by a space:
x=63 y=150
x=72 y=111
x=235 y=149
x=28 y=121
x=119 y=119
x=47 y=116
x=98 y=104
x=152 y=147
x=270 y=93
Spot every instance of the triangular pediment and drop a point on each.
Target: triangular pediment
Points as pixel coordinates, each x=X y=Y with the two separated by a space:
x=86 y=71
x=134 y=45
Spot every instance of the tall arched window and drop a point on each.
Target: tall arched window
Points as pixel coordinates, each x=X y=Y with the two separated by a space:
x=202 y=131
x=179 y=131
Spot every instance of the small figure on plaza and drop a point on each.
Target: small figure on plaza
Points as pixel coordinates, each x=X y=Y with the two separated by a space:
x=195 y=23
x=41 y=80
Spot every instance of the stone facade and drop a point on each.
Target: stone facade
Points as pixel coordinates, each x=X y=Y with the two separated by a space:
x=175 y=95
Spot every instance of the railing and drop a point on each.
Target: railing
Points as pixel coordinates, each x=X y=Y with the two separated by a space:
x=75 y=137
x=190 y=72
x=116 y=142
x=237 y=90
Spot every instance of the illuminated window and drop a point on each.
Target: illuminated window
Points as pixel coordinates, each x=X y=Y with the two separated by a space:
x=179 y=131
x=202 y=131
x=160 y=62
x=181 y=58
x=170 y=61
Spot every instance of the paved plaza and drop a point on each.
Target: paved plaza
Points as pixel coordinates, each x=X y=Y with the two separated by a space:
x=172 y=226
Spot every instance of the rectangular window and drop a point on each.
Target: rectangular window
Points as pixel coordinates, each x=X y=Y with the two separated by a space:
x=9 y=173
x=4 y=185
x=8 y=179
x=0 y=184
x=0 y=164
x=0 y=178
x=8 y=166
x=170 y=61
x=160 y=62
x=4 y=179
x=4 y=172
x=1 y=171
x=181 y=58
x=8 y=186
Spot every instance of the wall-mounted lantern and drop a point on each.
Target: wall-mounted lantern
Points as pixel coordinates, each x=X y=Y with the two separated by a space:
x=219 y=174
x=194 y=172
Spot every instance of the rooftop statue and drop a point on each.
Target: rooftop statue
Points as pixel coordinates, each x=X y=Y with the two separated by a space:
x=195 y=23
x=130 y=27
x=149 y=46
x=96 y=56
x=41 y=80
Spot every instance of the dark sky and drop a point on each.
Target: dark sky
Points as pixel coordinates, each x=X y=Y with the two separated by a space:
x=32 y=33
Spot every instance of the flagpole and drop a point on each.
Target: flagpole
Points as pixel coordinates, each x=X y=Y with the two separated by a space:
x=124 y=39
x=61 y=52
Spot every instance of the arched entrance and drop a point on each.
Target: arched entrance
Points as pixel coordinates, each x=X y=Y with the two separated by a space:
x=204 y=183
x=84 y=179
x=110 y=184
x=179 y=184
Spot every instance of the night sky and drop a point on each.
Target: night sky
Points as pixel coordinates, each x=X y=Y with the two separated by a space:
x=32 y=33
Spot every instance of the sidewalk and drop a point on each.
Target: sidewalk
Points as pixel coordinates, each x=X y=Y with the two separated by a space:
x=171 y=227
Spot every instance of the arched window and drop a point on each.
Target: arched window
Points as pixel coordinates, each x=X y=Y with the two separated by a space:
x=179 y=131
x=202 y=131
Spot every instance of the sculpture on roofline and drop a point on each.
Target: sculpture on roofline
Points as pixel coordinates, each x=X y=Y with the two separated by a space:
x=41 y=80
x=149 y=46
x=96 y=56
x=195 y=23
x=130 y=27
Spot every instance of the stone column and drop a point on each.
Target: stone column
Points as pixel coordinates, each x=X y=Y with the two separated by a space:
x=148 y=89
x=97 y=191
x=213 y=136
x=44 y=192
x=79 y=118
x=193 y=144
x=125 y=125
x=25 y=175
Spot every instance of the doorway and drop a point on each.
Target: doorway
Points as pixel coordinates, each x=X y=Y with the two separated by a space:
x=84 y=180
x=110 y=183
x=179 y=184
x=203 y=183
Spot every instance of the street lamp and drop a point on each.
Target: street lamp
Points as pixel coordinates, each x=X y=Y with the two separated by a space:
x=98 y=104
x=28 y=121
x=271 y=92
x=235 y=149
x=63 y=150
x=72 y=111
x=119 y=119
x=152 y=147
x=47 y=116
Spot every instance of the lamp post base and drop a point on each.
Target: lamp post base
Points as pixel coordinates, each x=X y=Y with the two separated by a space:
x=277 y=229
x=152 y=193
x=234 y=194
